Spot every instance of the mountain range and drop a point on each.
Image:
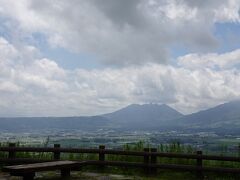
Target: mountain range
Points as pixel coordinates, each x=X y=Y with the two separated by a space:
x=146 y=116
x=222 y=118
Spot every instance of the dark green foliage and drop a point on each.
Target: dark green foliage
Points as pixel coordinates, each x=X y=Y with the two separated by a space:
x=3 y=154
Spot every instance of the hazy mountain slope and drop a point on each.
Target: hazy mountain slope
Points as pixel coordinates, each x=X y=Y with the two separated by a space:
x=143 y=116
x=35 y=123
x=222 y=117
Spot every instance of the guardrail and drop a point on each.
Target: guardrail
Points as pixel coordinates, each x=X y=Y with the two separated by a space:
x=151 y=158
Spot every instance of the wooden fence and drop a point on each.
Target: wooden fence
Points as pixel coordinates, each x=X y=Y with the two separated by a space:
x=151 y=159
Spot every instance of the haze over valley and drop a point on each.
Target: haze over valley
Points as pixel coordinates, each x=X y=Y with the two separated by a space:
x=151 y=123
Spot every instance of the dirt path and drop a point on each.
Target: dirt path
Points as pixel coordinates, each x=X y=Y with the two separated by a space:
x=74 y=176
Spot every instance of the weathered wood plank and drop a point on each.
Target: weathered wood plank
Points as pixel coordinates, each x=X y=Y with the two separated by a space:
x=119 y=152
x=42 y=166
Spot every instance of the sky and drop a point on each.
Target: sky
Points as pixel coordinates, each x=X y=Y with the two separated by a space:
x=89 y=57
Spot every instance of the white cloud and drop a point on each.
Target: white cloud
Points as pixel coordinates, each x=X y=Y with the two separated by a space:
x=7 y=50
x=42 y=88
x=143 y=32
x=228 y=12
x=213 y=60
x=9 y=87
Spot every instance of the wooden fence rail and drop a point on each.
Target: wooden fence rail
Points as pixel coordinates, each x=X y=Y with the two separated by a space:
x=150 y=157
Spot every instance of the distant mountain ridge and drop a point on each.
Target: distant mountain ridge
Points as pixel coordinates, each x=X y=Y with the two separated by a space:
x=144 y=116
x=222 y=118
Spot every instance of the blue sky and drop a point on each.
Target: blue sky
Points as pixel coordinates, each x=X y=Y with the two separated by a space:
x=67 y=58
x=228 y=35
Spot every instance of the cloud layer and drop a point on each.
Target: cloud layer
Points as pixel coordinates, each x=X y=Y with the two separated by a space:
x=42 y=88
x=122 y=33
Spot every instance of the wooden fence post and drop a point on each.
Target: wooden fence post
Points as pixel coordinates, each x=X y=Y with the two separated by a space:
x=11 y=153
x=199 y=165
x=101 y=156
x=56 y=155
x=238 y=150
x=153 y=161
x=146 y=161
